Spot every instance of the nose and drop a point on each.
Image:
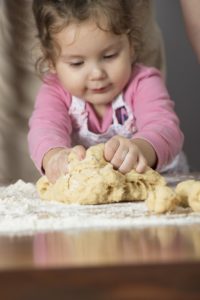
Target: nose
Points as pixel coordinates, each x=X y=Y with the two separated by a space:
x=97 y=72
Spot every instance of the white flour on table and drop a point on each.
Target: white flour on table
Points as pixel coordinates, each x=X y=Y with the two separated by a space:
x=21 y=211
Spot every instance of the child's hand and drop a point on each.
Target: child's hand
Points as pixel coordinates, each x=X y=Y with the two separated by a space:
x=125 y=155
x=55 y=162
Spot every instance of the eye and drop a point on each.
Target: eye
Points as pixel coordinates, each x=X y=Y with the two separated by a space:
x=110 y=56
x=76 y=64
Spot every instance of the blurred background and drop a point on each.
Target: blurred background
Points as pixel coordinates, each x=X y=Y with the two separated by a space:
x=19 y=84
x=183 y=76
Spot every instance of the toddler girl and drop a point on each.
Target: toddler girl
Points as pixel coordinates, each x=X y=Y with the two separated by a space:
x=96 y=91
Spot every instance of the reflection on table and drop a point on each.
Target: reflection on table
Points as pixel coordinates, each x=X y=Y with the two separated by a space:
x=101 y=247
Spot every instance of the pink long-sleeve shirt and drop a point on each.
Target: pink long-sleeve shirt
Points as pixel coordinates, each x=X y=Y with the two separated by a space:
x=146 y=93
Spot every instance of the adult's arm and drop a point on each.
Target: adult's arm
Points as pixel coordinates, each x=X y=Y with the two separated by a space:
x=191 y=14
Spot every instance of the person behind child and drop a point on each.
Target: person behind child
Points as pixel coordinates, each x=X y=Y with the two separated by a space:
x=191 y=13
x=96 y=91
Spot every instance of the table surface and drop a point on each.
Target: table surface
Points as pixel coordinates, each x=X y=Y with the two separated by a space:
x=161 y=262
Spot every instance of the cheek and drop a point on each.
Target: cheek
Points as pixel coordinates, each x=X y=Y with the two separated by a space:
x=70 y=80
x=121 y=73
x=71 y=84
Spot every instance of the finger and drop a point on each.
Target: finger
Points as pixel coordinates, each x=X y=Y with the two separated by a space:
x=129 y=162
x=110 y=148
x=62 y=162
x=54 y=176
x=80 y=151
x=62 y=165
x=141 y=165
x=53 y=173
x=119 y=157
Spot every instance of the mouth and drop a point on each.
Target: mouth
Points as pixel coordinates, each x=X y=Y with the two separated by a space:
x=101 y=90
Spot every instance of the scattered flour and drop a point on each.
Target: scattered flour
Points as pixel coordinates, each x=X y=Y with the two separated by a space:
x=22 y=212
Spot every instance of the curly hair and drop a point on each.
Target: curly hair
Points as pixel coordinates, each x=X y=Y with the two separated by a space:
x=121 y=17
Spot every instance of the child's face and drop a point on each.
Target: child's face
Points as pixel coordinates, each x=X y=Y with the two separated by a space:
x=93 y=65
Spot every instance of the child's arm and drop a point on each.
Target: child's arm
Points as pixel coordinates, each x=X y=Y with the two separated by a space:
x=158 y=138
x=156 y=120
x=50 y=124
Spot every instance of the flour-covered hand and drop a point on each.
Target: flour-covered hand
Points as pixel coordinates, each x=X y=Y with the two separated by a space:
x=55 y=162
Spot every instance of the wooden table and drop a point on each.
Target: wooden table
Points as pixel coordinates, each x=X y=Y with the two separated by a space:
x=147 y=263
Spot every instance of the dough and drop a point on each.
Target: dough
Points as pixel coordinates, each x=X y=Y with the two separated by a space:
x=161 y=199
x=188 y=193
x=94 y=181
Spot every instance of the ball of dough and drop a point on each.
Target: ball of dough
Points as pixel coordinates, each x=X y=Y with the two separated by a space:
x=161 y=199
x=188 y=192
